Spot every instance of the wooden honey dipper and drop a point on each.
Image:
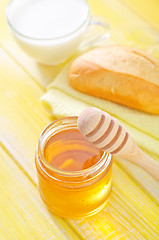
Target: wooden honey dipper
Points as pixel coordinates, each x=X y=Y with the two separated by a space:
x=105 y=132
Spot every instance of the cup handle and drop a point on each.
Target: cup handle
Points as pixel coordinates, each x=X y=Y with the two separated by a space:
x=97 y=31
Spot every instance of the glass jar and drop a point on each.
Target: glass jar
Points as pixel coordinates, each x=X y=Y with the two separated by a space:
x=72 y=194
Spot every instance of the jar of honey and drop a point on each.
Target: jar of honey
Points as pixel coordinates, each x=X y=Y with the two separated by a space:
x=74 y=176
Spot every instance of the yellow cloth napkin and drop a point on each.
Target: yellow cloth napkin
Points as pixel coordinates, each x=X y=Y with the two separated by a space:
x=62 y=100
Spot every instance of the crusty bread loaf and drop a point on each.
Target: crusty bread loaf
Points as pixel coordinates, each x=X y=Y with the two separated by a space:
x=120 y=74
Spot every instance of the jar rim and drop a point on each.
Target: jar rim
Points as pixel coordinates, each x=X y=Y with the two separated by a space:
x=104 y=160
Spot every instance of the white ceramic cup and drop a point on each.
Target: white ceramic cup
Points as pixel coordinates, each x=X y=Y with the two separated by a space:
x=56 y=50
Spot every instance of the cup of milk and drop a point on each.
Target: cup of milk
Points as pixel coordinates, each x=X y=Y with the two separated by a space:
x=51 y=31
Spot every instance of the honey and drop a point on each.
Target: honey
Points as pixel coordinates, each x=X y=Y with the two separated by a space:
x=74 y=175
x=69 y=150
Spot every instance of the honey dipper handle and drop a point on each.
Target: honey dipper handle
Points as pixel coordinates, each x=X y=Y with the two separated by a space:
x=148 y=164
x=137 y=156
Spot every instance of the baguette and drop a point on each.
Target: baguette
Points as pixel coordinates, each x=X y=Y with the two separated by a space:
x=119 y=74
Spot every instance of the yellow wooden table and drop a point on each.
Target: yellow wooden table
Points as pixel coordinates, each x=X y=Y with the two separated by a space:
x=133 y=209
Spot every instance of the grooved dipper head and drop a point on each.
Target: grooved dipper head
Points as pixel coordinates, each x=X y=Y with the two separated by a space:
x=102 y=130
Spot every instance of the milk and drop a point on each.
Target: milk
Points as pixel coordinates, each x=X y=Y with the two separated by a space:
x=49 y=30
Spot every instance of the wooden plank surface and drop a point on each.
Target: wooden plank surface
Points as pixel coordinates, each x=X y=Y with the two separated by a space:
x=22 y=212
x=22 y=116
x=132 y=213
x=148 y=10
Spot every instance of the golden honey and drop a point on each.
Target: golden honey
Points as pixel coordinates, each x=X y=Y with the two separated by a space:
x=74 y=176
